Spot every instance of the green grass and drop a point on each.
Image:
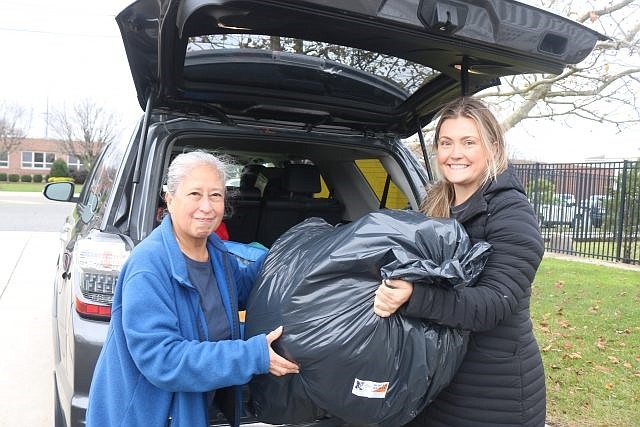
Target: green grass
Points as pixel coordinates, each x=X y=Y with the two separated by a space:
x=607 y=248
x=587 y=321
x=21 y=186
x=30 y=187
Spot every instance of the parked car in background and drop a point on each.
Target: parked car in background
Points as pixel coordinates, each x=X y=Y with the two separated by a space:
x=565 y=199
x=323 y=132
x=560 y=212
x=592 y=210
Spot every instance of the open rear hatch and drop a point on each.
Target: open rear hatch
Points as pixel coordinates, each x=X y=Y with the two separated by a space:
x=459 y=47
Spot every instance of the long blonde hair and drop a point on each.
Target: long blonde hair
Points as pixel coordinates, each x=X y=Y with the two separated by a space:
x=441 y=195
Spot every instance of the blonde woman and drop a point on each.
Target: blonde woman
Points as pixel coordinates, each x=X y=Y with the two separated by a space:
x=501 y=379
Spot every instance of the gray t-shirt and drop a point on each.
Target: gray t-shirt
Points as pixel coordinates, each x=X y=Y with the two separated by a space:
x=456 y=211
x=202 y=277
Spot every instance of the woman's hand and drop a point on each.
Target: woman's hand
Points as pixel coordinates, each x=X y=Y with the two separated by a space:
x=390 y=296
x=278 y=365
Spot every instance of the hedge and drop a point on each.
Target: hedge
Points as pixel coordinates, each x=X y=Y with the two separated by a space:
x=60 y=179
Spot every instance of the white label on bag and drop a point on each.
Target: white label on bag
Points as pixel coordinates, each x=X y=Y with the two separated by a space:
x=370 y=389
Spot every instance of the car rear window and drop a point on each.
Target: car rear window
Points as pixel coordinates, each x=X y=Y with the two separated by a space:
x=403 y=74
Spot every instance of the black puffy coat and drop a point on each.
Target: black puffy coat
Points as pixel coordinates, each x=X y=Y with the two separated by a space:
x=501 y=379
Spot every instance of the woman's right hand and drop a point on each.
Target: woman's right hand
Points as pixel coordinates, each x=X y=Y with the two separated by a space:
x=390 y=296
x=278 y=365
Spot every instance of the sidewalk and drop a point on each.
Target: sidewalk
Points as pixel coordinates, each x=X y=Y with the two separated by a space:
x=27 y=269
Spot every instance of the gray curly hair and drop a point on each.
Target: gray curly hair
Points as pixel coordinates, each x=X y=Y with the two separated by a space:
x=184 y=162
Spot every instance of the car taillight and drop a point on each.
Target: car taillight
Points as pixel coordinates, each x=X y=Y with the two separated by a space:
x=96 y=264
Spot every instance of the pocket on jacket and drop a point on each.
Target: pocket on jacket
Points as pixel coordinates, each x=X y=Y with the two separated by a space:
x=493 y=347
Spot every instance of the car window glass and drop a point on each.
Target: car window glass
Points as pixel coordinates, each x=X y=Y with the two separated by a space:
x=102 y=182
x=86 y=188
x=401 y=73
x=89 y=208
x=376 y=176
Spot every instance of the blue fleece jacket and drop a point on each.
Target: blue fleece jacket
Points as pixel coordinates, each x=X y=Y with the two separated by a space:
x=156 y=361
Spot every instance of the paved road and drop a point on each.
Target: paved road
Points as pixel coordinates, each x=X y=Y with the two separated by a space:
x=27 y=265
x=29 y=226
x=31 y=212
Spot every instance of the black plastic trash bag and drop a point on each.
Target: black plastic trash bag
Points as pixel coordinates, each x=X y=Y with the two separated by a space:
x=318 y=281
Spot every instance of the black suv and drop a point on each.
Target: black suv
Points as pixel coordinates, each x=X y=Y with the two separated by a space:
x=312 y=99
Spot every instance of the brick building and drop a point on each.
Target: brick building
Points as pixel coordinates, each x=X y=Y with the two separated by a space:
x=35 y=156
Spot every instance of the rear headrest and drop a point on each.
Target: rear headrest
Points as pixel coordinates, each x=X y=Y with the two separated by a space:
x=270 y=182
x=249 y=176
x=301 y=178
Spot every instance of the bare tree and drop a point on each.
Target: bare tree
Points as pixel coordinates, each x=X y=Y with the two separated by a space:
x=604 y=88
x=14 y=125
x=84 y=130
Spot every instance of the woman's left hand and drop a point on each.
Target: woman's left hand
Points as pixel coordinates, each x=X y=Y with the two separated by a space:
x=390 y=296
x=278 y=365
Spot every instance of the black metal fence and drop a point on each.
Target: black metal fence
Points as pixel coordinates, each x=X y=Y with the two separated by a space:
x=587 y=209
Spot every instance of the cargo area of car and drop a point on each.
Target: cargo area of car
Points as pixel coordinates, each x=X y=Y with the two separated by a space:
x=277 y=185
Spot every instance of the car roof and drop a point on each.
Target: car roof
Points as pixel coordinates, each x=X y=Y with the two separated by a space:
x=486 y=40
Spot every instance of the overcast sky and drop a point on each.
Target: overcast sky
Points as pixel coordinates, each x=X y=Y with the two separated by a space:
x=55 y=53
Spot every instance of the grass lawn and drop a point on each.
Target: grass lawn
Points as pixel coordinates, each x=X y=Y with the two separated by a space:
x=608 y=249
x=587 y=321
x=22 y=186
x=28 y=187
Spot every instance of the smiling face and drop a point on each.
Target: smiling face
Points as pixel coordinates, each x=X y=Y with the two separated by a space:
x=462 y=156
x=197 y=206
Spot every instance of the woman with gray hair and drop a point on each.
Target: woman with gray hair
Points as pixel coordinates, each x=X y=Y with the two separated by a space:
x=174 y=344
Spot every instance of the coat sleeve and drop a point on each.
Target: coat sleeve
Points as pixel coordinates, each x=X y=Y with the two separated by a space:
x=245 y=279
x=166 y=357
x=505 y=282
